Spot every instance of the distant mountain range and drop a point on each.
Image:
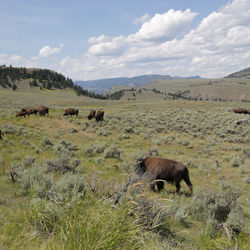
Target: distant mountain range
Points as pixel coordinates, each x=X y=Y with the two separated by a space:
x=245 y=73
x=103 y=85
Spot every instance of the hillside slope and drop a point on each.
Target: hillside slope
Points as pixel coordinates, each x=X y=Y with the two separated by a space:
x=102 y=85
x=245 y=73
x=225 y=89
x=15 y=78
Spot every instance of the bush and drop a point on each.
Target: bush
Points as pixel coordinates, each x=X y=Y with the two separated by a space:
x=235 y=162
x=65 y=147
x=113 y=152
x=47 y=142
x=216 y=207
x=69 y=185
x=61 y=165
x=34 y=181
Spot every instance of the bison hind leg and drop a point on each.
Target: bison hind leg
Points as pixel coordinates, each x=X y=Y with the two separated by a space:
x=160 y=185
x=178 y=186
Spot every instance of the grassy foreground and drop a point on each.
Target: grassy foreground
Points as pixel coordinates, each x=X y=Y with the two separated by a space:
x=71 y=170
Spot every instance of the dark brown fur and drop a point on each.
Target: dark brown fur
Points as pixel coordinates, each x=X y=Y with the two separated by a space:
x=71 y=112
x=1 y=134
x=91 y=114
x=21 y=113
x=43 y=110
x=99 y=115
x=30 y=111
x=241 y=111
x=160 y=170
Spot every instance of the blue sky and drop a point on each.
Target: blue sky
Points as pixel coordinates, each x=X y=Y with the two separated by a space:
x=107 y=38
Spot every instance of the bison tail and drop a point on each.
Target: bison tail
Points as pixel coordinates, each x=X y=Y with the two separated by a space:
x=188 y=182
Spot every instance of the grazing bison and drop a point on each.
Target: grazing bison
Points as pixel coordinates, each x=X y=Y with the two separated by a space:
x=1 y=134
x=30 y=111
x=241 y=111
x=21 y=113
x=71 y=112
x=97 y=114
x=42 y=110
x=159 y=170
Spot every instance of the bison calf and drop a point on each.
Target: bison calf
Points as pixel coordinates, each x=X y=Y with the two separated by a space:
x=21 y=113
x=30 y=111
x=158 y=170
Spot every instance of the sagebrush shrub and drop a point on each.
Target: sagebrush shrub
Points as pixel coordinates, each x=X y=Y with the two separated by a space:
x=113 y=152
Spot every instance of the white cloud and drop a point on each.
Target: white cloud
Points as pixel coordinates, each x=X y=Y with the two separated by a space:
x=47 y=51
x=110 y=48
x=167 y=26
x=99 y=39
x=65 y=61
x=142 y=19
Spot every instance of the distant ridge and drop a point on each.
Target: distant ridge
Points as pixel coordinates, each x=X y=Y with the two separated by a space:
x=245 y=73
x=103 y=85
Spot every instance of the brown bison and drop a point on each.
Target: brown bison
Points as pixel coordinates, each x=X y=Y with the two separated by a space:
x=30 y=111
x=1 y=134
x=42 y=110
x=71 y=112
x=97 y=114
x=241 y=111
x=91 y=114
x=21 y=113
x=158 y=170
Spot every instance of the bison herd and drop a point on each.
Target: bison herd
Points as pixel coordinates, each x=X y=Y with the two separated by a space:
x=43 y=110
x=155 y=169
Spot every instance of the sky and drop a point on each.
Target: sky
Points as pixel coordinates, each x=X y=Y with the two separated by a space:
x=96 y=39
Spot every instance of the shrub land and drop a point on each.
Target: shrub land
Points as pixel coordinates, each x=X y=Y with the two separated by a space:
x=66 y=190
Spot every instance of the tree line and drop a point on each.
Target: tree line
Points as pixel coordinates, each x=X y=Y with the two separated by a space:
x=42 y=78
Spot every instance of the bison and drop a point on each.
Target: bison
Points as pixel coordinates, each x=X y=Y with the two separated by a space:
x=91 y=114
x=21 y=113
x=240 y=111
x=30 y=111
x=42 y=110
x=158 y=170
x=97 y=114
x=71 y=112
x=1 y=134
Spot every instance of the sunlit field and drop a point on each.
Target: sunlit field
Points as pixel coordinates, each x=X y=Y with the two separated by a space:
x=69 y=172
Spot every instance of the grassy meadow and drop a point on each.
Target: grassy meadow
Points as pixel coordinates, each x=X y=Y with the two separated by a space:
x=69 y=172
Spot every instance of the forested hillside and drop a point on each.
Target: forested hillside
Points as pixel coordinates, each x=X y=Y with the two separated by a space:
x=11 y=77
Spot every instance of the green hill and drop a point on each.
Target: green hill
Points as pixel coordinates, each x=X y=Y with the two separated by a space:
x=28 y=78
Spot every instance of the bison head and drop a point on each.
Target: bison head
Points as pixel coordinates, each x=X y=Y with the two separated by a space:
x=139 y=167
